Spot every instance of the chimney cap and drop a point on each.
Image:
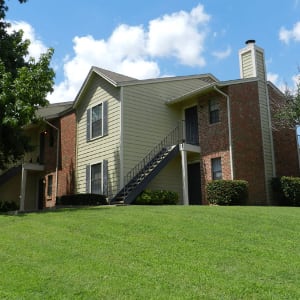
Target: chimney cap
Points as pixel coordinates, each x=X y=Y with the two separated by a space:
x=250 y=42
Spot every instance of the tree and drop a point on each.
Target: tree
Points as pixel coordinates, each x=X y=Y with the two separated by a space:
x=24 y=85
x=287 y=113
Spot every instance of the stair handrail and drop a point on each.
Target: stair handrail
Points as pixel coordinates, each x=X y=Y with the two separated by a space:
x=174 y=137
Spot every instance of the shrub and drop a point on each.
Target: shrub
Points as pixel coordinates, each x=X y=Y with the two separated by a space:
x=157 y=197
x=6 y=206
x=82 y=199
x=227 y=192
x=278 y=195
x=291 y=190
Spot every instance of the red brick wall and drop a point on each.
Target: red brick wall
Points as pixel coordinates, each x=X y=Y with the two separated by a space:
x=214 y=141
x=285 y=142
x=247 y=148
x=248 y=161
x=66 y=165
x=66 y=176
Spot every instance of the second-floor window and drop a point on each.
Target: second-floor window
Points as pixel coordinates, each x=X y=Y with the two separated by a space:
x=214 y=112
x=97 y=121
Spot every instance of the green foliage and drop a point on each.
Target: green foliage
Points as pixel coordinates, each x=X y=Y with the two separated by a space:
x=227 y=192
x=159 y=197
x=287 y=114
x=24 y=85
x=8 y=206
x=287 y=190
x=82 y=199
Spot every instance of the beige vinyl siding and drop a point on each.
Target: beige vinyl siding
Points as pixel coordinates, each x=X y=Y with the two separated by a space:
x=147 y=119
x=266 y=134
x=10 y=191
x=260 y=65
x=169 y=178
x=247 y=65
x=102 y=148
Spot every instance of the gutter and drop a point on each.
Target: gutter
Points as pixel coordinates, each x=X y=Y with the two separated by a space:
x=229 y=128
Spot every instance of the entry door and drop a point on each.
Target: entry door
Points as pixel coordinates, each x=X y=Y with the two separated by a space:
x=194 y=181
x=191 y=126
x=41 y=199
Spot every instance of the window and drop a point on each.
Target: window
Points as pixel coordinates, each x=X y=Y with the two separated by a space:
x=96 y=178
x=216 y=168
x=50 y=185
x=97 y=121
x=214 y=112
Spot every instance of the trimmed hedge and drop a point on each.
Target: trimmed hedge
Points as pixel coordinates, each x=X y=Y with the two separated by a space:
x=8 y=206
x=287 y=190
x=82 y=199
x=157 y=197
x=227 y=192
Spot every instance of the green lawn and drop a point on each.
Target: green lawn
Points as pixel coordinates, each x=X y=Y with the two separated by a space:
x=135 y=252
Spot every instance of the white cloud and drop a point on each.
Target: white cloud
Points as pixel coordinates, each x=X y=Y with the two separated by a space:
x=293 y=34
x=36 y=47
x=134 y=50
x=222 y=54
x=273 y=77
x=181 y=35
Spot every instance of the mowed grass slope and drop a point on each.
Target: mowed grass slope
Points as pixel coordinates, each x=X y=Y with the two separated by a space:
x=167 y=252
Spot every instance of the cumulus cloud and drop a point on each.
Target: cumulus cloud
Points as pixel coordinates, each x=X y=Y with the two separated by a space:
x=222 y=54
x=134 y=50
x=286 y=35
x=273 y=77
x=36 y=47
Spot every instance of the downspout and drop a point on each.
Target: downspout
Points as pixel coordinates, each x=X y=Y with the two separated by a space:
x=121 y=181
x=229 y=128
x=57 y=157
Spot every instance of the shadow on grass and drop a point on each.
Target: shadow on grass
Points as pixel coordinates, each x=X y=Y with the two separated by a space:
x=55 y=210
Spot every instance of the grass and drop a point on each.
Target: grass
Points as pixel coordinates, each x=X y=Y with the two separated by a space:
x=137 y=252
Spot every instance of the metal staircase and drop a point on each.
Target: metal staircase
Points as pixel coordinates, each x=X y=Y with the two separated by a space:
x=140 y=176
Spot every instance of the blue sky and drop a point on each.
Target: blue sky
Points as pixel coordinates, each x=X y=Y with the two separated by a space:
x=146 y=39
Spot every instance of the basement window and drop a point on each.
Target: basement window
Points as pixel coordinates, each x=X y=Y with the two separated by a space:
x=214 y=116
x=216 y=168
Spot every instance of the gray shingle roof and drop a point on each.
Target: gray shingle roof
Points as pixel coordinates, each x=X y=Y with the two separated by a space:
x=54 y=110
x=113 y=76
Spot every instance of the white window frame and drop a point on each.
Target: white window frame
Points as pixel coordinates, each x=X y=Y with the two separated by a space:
x=90 y=181
x=91 y=121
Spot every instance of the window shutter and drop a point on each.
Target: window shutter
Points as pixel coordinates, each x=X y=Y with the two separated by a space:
x=87 y=178
x=88 y=124
x=105 y=118
x=105 y=178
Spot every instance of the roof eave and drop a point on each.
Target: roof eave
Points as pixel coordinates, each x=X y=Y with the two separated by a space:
x=208 y=88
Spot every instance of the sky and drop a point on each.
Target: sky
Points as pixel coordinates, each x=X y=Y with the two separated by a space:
x=158 y=38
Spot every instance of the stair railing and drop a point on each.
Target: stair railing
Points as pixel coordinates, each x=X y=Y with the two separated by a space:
x=173 y=138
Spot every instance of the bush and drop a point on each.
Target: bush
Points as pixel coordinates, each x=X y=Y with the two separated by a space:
x=8 y=206
x=82 y=199
x=227 y=192
x=158 y=197
x=289 y=190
